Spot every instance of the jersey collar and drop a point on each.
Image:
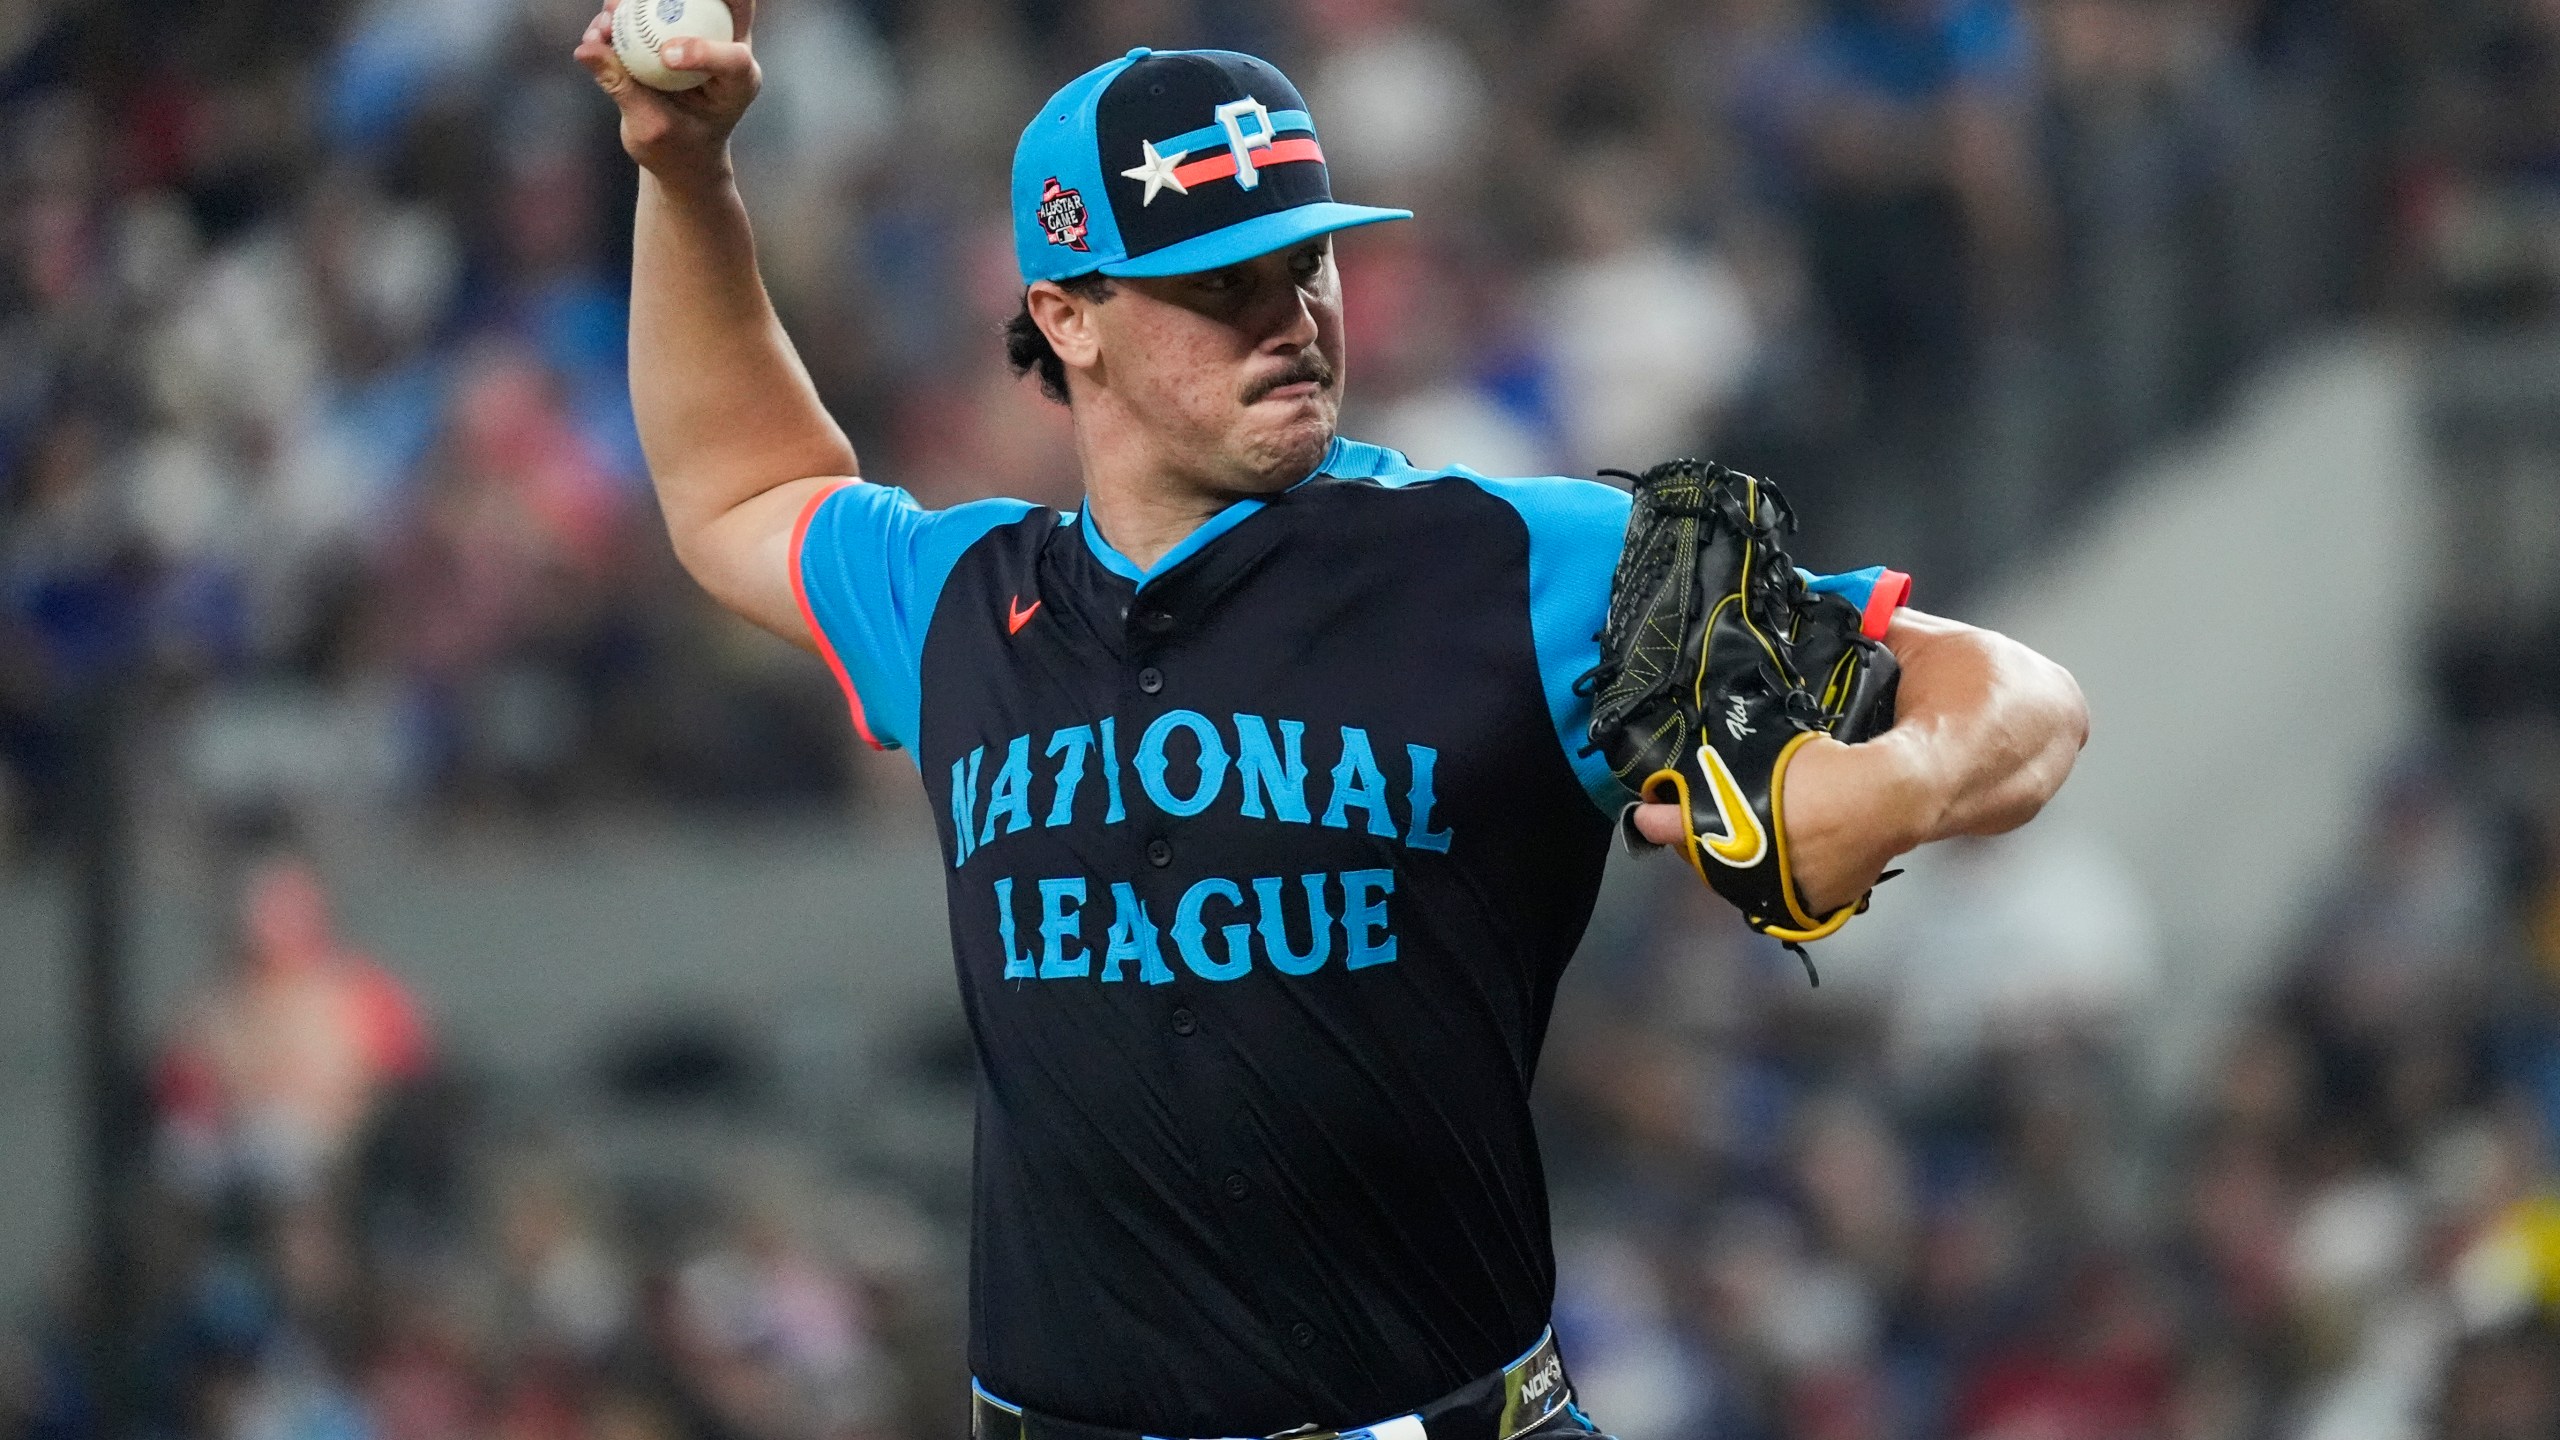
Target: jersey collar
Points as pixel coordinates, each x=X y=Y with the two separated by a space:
x=1200 y=538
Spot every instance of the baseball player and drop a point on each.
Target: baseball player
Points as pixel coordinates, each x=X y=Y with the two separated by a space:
x=1260 y=777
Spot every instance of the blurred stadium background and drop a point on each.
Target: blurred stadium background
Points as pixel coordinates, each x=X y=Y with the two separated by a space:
x=455 y=983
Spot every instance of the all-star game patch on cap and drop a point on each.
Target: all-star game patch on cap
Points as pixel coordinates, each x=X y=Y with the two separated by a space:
x=1163 y=163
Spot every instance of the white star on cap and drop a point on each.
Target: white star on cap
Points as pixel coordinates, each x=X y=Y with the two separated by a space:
x=1157 y=173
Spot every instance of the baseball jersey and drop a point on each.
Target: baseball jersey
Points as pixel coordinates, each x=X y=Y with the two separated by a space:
x=1264 y=862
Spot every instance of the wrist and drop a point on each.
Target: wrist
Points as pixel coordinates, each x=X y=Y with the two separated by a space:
x=693 y=180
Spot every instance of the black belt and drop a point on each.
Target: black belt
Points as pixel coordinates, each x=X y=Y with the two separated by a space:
x=1512 y=1401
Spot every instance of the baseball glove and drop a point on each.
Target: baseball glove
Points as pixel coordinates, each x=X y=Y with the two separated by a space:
x=1719 y=662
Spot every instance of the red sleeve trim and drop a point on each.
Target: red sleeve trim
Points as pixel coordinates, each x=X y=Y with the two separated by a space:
x=809 y=617
x=1892 y=591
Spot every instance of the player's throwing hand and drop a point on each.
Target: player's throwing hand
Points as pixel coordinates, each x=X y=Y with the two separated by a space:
x=679 y=134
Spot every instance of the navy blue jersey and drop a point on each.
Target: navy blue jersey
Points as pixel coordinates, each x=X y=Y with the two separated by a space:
x=1264 y=864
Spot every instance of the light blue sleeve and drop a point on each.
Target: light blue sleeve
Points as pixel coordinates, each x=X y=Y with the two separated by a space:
x=1876 y=591
x=1575 y=530
x=868 y=564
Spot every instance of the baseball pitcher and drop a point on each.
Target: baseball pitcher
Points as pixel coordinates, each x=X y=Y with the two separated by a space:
x=1266 y=779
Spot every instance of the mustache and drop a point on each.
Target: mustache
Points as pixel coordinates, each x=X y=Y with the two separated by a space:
x=1309 y=366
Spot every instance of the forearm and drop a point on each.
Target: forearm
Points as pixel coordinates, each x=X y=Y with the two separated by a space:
x=1985 y=730
x=726 y=411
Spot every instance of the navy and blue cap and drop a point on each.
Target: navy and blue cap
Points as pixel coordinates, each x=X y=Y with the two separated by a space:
x=1163 y=163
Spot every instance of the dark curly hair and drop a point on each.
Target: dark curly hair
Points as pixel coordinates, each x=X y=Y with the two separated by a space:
x=1027 y=350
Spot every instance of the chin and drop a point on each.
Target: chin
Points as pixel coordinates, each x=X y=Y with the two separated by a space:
x=1282 y=453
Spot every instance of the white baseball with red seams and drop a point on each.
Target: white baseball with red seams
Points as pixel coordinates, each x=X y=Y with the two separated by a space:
x=641 y=29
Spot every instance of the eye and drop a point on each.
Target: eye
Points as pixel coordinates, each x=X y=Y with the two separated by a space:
x=1307 y=264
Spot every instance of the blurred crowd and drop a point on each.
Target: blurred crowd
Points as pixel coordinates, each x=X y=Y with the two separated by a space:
x=315 y=446
x=343 y=1234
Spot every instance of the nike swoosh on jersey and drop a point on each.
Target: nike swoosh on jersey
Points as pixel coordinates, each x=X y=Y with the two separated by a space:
x=1017 y=616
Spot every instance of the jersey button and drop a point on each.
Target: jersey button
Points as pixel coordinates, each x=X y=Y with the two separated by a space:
x=1154 y=622
x=1304 y=1334
x=1184 y=1022
x=1238 y=1187
x=1151 y=680
x=1159 y=853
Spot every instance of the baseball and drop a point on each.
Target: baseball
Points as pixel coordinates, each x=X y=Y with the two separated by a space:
x=641 y=28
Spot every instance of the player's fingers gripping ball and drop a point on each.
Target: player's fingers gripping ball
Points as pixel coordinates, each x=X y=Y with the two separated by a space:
x=642 y=28
x=1717 y=665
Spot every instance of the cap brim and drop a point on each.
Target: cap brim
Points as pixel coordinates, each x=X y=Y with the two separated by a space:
x=1258 y=236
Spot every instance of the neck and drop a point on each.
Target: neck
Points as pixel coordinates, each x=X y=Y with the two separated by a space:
x=1145 y=516
x=1145 y=502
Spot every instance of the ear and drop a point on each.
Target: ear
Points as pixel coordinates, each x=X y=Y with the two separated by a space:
x=1068 y=322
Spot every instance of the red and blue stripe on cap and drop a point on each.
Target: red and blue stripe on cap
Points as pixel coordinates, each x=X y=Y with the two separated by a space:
x=1246 y=138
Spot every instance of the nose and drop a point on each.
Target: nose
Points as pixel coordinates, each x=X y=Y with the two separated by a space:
x=1292 y=326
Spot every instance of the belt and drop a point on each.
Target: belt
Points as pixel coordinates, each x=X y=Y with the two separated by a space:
x=1510 y=1402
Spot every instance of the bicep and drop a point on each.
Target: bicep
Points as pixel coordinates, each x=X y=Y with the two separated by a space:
x=2001 y=724
x=1951 y=671
x=745 y=557
x=1951 y=667
x=1912 y=631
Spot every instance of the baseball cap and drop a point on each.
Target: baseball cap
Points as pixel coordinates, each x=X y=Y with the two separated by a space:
x=1166 y=162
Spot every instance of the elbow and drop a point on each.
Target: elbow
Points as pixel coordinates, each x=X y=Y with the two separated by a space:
x=2049 y=735
x=2073 y=705
x=692 y=547
x=2050 y=712
x=694 y=552
x=716 y=569
x=2048 y=709
x=2066 y=734
x=708 y=554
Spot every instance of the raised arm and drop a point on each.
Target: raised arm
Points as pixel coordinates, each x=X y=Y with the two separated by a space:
x=736 y=439
x=1985 y=732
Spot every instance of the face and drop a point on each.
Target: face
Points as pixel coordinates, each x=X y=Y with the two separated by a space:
x=1231 y=378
